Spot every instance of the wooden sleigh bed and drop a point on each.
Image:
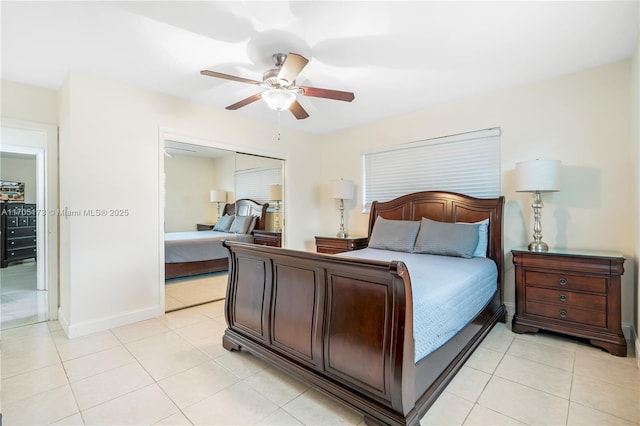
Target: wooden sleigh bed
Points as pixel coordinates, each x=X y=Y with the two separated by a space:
x=346 y=325
x=219 y=260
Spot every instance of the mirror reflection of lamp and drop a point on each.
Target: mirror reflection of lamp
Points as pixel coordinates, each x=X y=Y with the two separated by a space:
x=218 y=196
x=342 y=190
x=538 y=176
x=275 y=194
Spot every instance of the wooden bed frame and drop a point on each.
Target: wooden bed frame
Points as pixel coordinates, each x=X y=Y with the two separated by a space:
x=245 y=207
x=345 y=325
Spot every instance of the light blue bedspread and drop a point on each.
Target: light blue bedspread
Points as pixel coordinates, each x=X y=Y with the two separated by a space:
x=448 y=292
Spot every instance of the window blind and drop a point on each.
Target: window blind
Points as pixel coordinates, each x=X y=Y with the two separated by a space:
x=467 y=163
x=254 y=184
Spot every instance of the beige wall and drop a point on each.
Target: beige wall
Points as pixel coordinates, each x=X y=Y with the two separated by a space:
x=30 y=103
x=582 y=119
x=20 y=168
x=635 y=114
x=188 y=180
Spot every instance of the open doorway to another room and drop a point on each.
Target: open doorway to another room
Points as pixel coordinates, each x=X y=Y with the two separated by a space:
x=201 y=185
x=28 y=215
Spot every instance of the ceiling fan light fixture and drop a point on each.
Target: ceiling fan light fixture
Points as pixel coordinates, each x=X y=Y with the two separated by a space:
x=278 y=99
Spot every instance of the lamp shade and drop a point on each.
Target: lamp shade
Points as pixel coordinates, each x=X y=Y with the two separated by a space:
x=342 y=189
x=217 y=196
x=278 y=99
x=538 y=175
x=275 y=192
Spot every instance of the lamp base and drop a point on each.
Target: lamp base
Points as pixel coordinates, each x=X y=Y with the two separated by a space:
x=342 y=235
x=538 y=246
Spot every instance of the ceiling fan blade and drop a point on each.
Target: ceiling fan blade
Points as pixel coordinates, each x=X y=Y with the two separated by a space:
x=337 y=95
x=229 y=77
x=292 y=66
x=297 y=110
x=245 y=101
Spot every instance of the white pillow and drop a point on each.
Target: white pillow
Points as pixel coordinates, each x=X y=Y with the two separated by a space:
x=483 y=237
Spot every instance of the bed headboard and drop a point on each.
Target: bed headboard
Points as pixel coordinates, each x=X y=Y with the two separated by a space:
x=447 y=207
x=247 y=207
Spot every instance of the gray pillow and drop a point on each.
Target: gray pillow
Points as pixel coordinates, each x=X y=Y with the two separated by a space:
x=241 y=224
x=447 y=239
x=252 y=225
x=224 y=223
x=396 y=235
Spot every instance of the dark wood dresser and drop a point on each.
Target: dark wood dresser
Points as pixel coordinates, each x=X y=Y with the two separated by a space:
x=573 y=292
x=267 y=238
x=18 y=228
x=333 y=245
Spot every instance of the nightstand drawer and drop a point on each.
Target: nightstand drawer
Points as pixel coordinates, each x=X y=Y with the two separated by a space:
x=566 y=298
x=566 y=281
x=568 y=313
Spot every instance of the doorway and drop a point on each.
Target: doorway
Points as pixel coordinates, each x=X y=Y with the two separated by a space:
x=29 y=283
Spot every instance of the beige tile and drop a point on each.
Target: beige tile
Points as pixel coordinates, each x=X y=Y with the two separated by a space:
x=606 y=397
x=468 y=383
x=276 y=386
x=54 y=325
x=166 y=354
x=581 y=415
x=523 y=403
x=608 y=369
x=499 y=339
x=33 y=382
x=554 y=339
x=181 y=318
x=17 y=334
x=314 y=408
x=213 y=310
x=96 y=363
x=241 y=363
x=449 y=409
x=177 y=419
x=237 y=404
x=19 y=358
x=481 y=416
x=85 y=345
x=139 y=330
x=542 y=353
x=198 y=383
x=538 y=376
x=171 y=303
x=143 y=406
x=484 y=360
x=111 y=384
x=202 y=330
x=279 y=418
x=42 y=408
x=74 y=420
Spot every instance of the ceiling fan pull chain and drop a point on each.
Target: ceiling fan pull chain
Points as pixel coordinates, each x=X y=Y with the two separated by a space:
x=279 y=111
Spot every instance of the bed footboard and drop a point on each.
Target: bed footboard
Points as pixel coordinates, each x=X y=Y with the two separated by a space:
x=343 y=325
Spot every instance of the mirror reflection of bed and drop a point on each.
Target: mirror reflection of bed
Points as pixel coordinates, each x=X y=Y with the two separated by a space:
x=192 y=172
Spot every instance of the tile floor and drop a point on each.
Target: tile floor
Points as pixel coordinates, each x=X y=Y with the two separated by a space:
x=21 y=302
x=173 y=371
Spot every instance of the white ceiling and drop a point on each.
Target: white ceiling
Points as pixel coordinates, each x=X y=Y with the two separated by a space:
x=396 y=57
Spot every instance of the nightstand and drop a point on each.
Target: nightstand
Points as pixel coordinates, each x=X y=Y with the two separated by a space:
x=267 y=238
x=205 y=226
x=333 y=245
x=573 y=292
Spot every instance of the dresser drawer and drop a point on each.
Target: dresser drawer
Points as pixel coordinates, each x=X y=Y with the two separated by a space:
x=566 y=281
x=15 y=243
x=568 y=313
x=567 y=298
x=22 y=253
x=25 y=231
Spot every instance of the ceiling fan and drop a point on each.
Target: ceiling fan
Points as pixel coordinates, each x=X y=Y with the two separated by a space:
x=281 y=86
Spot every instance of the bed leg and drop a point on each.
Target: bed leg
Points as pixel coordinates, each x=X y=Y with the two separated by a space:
x=229 y=344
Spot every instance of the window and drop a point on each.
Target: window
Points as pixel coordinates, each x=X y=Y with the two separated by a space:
x=468 y=163
x=254 y=184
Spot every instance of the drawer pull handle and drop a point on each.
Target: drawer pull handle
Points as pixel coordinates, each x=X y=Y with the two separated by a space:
x=562 y=281
x=563 y=314
x=563 y=298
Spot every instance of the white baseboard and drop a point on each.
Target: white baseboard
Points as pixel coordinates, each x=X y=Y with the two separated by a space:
x=102 y=324
x=511 y=310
